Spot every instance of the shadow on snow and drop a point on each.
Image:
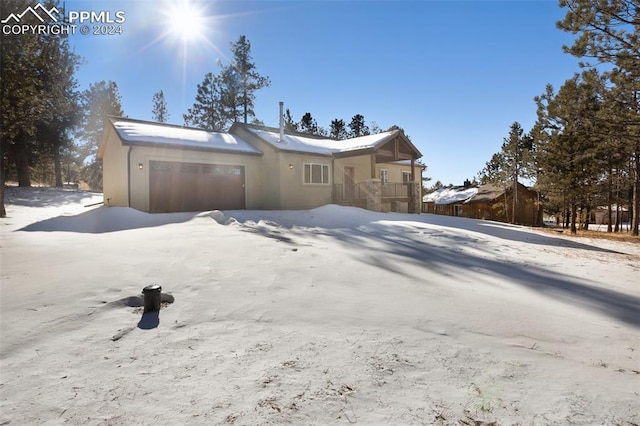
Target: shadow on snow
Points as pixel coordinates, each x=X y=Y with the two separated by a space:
x=392 y=247
x=107 y=219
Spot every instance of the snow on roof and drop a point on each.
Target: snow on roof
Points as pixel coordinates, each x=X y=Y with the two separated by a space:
x=456 y=194
x=138 y=132
x=316 y=145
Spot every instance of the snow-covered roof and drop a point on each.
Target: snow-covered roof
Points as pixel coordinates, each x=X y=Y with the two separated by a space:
x=158 y=134
x=456 y=194
x=315 y=145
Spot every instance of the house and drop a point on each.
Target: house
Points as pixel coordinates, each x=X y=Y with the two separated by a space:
x=600 y=215
x=490 y=202
x=156 y=167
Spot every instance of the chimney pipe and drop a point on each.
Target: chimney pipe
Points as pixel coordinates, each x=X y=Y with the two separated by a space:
x=281 y=121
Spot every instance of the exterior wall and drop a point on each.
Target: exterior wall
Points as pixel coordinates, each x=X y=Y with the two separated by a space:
x=361 y=165
x=268 y=172
x=114 y=171
x=601 y=216
x=282 y=177
x=529 y=209
x=394 y=171
x=294 y=192
x=139 y=178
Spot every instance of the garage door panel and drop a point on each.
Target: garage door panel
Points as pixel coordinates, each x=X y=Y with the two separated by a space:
x=195 y=187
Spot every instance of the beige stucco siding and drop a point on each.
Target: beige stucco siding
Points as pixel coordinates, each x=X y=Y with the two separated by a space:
x=361 y=165
x=295 y=193
x=395 y=171
x=114 y=171
x=267 y=170
x=141 y=155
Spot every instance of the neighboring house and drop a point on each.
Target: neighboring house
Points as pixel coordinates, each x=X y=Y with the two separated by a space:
x=490 y=202
x=600 y=215
x=157 y=167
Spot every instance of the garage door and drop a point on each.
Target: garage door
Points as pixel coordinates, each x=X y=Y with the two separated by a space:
x=186 y=187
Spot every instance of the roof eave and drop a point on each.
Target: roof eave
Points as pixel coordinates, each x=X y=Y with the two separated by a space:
x=188 y=147
x=354 y=152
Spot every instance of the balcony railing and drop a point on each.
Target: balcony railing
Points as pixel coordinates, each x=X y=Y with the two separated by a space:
x=358 y=191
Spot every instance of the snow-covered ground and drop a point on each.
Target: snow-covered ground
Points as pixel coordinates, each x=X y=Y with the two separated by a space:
x=330 y=316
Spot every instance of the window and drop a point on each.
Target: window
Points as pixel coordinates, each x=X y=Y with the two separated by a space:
x=384 y=176
x=406 y=177
x=316 y=174
x=457 y=210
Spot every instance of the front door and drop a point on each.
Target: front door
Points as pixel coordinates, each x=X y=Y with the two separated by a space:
x=349 y=183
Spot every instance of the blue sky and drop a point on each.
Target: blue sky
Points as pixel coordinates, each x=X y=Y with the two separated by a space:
x=453 y=74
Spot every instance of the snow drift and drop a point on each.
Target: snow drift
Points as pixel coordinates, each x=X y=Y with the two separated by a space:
x=332 y=315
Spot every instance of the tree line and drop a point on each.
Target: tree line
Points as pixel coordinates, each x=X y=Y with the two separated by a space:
x=49 y=129
x=584 y=149
x=338 y=128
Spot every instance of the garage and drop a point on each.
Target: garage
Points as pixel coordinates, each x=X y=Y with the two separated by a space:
x=185 y=187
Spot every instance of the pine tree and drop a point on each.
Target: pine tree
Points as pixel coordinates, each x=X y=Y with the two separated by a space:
x=160 y=112
x=245 y=77
x=62 y=110
x=229 y=106
x=308 y=124
x=608 y=32
x=358 y=127
x=396 y=127
x=21 y=93
x=289 y=122
x=515 y=151
x=510 y=164
x=338 y=129
x=494 y=171
x=37 y=98
x=567 y=143
x=98 y=102
x=205 y=113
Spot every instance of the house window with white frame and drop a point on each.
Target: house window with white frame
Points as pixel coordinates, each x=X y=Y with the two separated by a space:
x=406 y=177
x=316 y=174
x=384 y=176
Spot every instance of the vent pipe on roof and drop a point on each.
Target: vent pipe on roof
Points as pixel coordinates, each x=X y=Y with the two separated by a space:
x=281 y=121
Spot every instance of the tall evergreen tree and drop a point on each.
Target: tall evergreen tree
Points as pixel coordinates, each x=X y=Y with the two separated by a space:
x=37 y=97
x=516 y=151
x=98 y=102
x=494 y=171
x=338 y=129
x=243 y=77
x=229 y=106
x=159 y=111
x=608 y=32
x=396 y=127
x=358 y=127
x=62 y=111
x=567 y=143
x=205 y=112
x=289 y=122
x=308 y=124
x=19 y=105
x=510 y=164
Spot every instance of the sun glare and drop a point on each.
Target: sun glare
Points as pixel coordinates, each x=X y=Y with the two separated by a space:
x=186 y=21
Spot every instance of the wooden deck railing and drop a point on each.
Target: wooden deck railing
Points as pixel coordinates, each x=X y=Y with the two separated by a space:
x=358 y=191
